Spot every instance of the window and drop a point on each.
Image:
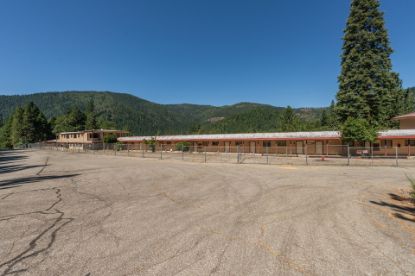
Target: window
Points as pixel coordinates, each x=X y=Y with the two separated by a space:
x=215 y=143
x=376 y=146
x=281 y=143
x=238 y=143
x=387 y=143
x=266 y=144
x=410 y=143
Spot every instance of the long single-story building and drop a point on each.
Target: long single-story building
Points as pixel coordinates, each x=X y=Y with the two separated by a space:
x=389 y=142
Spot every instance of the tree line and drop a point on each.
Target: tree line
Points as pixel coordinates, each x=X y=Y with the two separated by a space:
x=27 y=124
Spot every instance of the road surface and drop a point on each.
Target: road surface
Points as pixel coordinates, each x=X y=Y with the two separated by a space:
x=81 y=214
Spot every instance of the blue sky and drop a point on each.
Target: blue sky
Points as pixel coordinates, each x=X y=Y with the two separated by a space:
x=195 y=51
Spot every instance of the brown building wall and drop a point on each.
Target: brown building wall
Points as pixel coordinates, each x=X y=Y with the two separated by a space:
x=281 y=147
x=407 y=123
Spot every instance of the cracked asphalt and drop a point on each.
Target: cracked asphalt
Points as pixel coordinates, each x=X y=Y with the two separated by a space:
x=81 y=214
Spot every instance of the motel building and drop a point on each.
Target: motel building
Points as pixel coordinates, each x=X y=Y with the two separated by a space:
x=87 y=139
x=389 y=143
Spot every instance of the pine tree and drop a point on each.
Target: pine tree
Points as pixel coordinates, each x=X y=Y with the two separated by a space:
x=324 y=121
x=16 y=130
x=408 y=102
x=5 y=134
x=368 y=88
x=289 y=120
x=73 y=120
x=91 y=117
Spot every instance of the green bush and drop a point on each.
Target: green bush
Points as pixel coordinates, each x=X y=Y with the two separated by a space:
x=183 y=146
x=118 y=146
x=358 y=130
x=110 y=139
x=151 y=144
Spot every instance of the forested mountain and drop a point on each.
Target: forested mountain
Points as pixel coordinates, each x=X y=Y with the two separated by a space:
x=141 y=117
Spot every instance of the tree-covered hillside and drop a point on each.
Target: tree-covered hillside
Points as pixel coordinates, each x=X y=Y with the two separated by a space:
x=141 y=117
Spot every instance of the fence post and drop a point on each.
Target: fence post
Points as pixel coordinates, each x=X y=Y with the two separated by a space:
x=267 y=156
x=142 y=151
x=128 y=149
x=161 y=152
x=205 y=154
x=306 y=154
x=237 y=155
x=182 y=152
x=348 y=155
x=409 y=150
x=396 y=156
x=371 y=153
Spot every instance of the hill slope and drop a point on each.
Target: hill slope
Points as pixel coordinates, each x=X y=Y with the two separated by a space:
x=142 y=117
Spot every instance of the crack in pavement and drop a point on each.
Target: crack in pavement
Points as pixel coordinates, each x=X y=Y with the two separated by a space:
x=51 y=232
x=44 y=166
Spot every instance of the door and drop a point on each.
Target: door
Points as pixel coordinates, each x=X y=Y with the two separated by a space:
x=227 y=146
x=319 y=148
x=252 y=147
x=300 y=147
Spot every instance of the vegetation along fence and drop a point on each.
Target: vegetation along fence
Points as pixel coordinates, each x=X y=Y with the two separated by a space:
x=281 y=155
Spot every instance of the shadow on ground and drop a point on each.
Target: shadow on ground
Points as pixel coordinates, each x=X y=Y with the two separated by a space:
x=403 y=207
x=15 y=168
x=8 y=157
x=6 y=184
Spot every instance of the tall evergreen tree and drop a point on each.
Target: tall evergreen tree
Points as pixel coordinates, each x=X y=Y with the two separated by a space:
x=289 y=120
x=368 y=88
x=34 y=125
x=16 y=132
x=91 y=116
x=5 y=134
x=73 y=120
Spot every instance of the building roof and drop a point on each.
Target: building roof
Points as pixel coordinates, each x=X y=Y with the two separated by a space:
x=405 y=116
x=96 y=130
x=313 y=135
x=316 y=135
x=397 y=133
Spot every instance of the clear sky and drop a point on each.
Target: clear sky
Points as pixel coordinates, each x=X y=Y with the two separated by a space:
x=216 y=52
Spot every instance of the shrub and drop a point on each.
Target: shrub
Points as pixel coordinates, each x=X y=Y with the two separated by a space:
x=183 y=146
x=151 y=144
x=358 y=130
x=110 y=139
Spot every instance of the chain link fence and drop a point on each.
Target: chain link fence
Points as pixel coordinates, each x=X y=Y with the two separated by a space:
x=341 y=155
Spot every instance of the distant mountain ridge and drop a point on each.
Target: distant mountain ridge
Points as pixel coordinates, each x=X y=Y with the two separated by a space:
x=143 y=117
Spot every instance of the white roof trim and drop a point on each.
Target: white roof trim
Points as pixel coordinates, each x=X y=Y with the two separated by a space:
x=242 y=136
x=397 y=133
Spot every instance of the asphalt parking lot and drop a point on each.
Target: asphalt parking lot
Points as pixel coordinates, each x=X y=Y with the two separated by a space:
x=79 y=214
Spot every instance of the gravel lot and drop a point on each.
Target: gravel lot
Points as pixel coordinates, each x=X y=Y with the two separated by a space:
x=79 y=214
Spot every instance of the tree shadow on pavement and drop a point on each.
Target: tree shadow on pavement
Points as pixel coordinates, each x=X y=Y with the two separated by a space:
x=402 y=206
x=7 y=184
x=16 y=168
x=11 y=157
